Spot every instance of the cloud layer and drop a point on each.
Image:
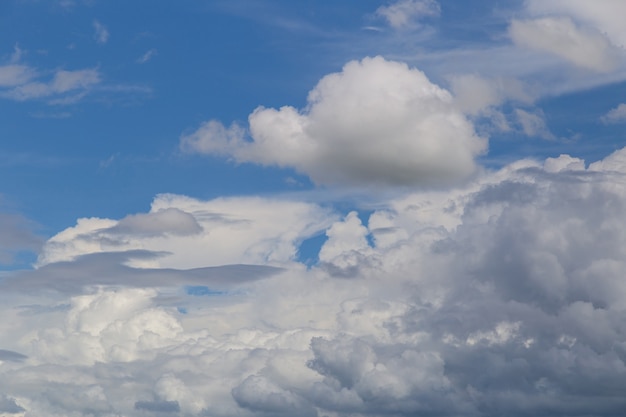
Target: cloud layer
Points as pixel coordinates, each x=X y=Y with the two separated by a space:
x=501 y=297
x=376 y=122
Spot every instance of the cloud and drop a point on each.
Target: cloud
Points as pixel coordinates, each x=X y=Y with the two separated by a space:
x=14 y=74
x=8 y=355
x=602 y=15
x=68 y=86
x=17 y=235
x=533 y=124
x=101 y=34
x=501 y=296
x=190 y=233
x=376 y=122
x=147 y=56
x=158 y=406
x=561 y=36
x=405 y=13
x=616 y=115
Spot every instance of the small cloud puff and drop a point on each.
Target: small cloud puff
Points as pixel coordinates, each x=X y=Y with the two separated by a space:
x=405 y=13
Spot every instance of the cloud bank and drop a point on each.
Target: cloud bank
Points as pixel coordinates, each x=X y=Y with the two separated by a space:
x=375 y=122
x=504 y=296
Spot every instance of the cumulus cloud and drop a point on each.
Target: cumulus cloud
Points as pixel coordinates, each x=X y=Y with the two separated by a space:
x=616 y=115
x=377 y=122
x=405 y=13
x=501 y=296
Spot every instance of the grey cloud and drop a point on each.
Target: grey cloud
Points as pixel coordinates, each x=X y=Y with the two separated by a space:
x=168 y=221
x=261 y=395
x=517 y=310
x=9 y=355
x=9 y=406
x=17 y=235
x=158 y=406
x=108 y=269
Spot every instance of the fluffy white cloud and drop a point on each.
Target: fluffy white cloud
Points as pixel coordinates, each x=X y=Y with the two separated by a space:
x=377 y=121
x=501 y=296
x=405 y=13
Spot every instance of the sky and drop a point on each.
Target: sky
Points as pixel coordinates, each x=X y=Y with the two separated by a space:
x=263 y=208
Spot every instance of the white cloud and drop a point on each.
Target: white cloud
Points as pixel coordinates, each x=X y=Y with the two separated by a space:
x=64 y=85
x=101 y=34
x=500 y=295
x=405 y=13
x=562 y=37
x=377 y=122
x=605 y=16
x=191 y=233
x=616 y=115
x=15 y=74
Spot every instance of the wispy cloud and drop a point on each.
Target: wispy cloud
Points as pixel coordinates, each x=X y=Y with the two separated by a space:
x=406 y=13
x=147 y=56
x=65 y=86
x=101 y=33
x=616 y=115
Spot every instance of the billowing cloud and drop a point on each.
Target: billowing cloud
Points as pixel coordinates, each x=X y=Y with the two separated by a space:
x=404 y=13
x=501 y=296
x=377 y=121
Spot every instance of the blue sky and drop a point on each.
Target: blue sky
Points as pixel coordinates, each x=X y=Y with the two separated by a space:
x=316 y=208
x=111 y=146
